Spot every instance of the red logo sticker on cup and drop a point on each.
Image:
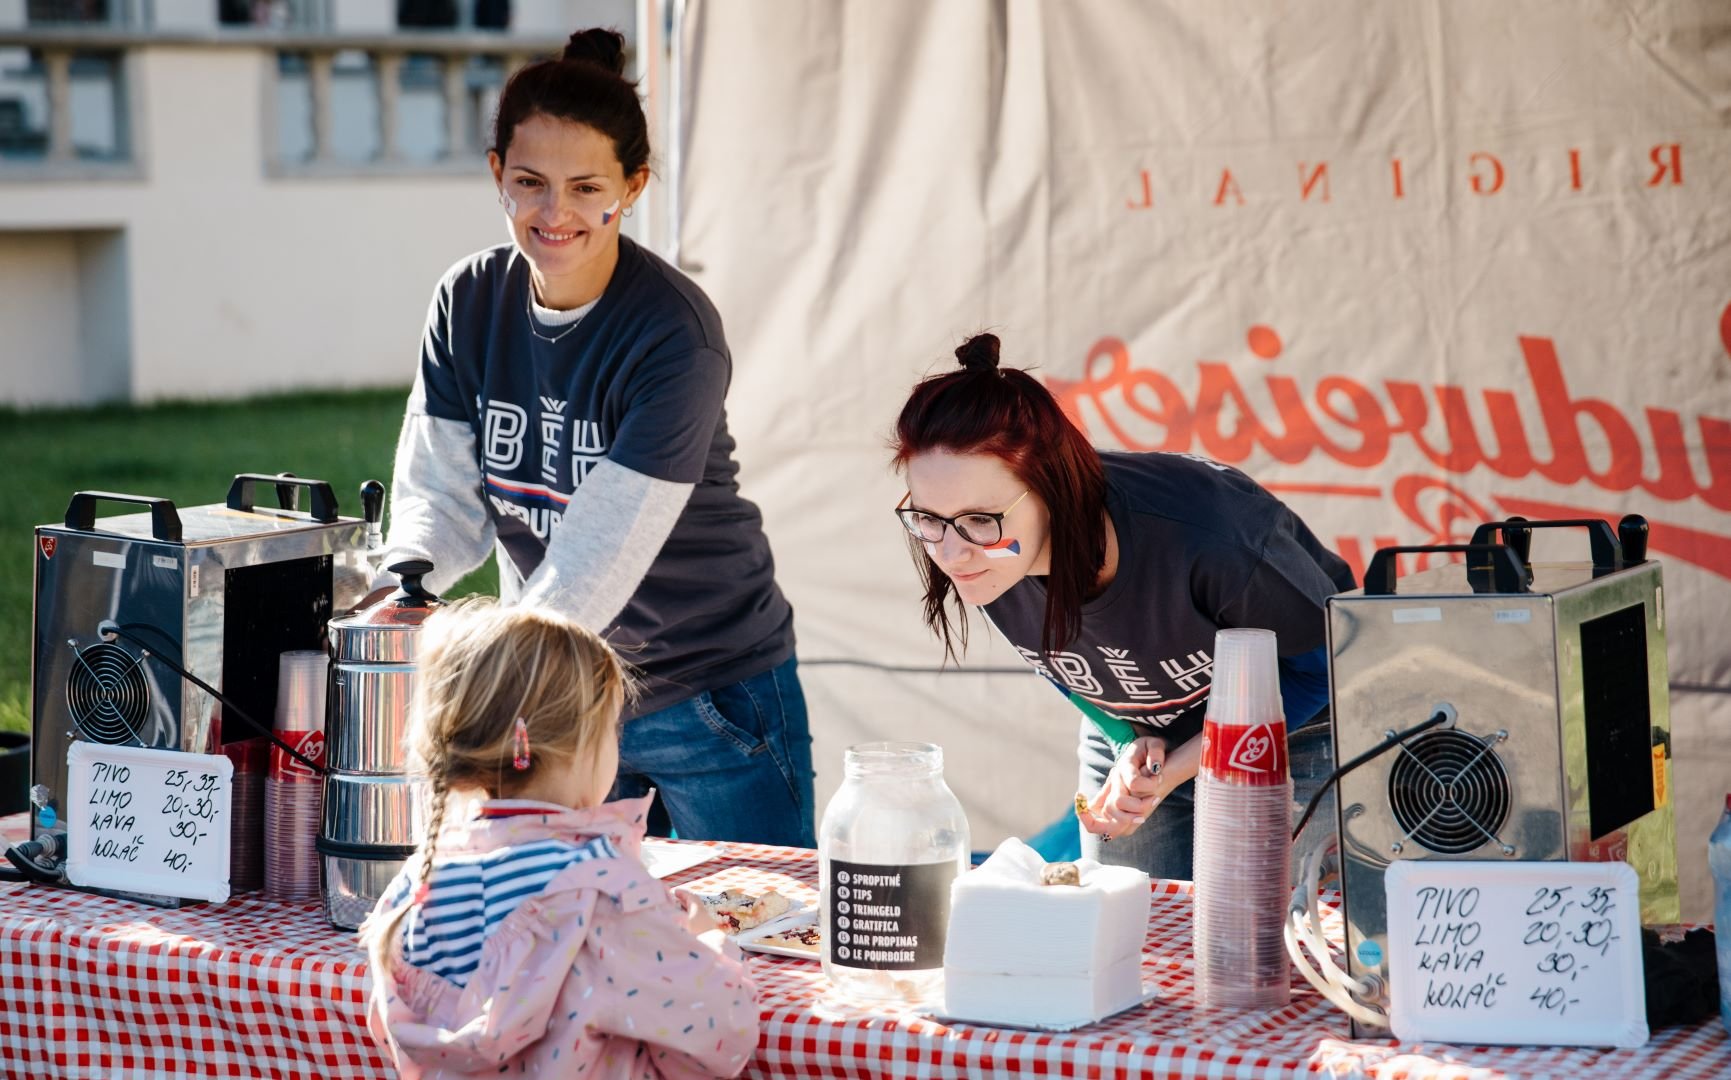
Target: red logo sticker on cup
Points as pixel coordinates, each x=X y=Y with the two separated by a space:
x=1245 y=755
x=48 y=544
x=309 y=744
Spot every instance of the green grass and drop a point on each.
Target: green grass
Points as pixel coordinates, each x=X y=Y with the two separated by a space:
x=185 y=451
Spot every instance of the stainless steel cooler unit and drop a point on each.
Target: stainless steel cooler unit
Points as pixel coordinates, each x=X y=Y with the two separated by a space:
x=1558 y=744
x=220 y=590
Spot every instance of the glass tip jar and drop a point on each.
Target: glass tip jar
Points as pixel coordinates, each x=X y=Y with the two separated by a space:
x=893 y=839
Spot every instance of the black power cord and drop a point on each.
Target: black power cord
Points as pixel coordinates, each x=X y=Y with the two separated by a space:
x=27 y=857
x=1441 y=716
x=109 y=629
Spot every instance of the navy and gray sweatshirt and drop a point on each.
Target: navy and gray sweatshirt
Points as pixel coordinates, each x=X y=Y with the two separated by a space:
x=598 y=464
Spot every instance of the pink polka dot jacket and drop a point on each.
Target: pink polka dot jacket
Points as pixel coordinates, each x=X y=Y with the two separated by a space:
x=597 y=975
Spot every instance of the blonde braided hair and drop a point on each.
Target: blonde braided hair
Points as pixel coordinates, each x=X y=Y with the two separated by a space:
x=481 y=667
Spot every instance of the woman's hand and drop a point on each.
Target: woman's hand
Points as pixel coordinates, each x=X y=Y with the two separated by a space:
x=1133 y=789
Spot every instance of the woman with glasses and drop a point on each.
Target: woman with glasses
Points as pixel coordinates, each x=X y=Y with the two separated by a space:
x=568 y=413
x=1109 y=573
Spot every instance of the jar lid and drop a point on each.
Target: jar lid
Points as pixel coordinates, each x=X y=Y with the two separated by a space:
x=386 y=632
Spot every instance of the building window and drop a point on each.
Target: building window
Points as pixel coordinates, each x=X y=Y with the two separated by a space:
x=439 y=108
x=97 y=108
x=23 y=106
x=423 y=133
x=354 y=111
x=267 y=13
x=294 y=109
x=35 y=85
x=484 y=80
x=427 y=14
x=69 y=11
x=454 y=14
x=273 y=14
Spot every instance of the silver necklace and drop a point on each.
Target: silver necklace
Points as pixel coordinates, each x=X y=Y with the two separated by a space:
x=529 y=312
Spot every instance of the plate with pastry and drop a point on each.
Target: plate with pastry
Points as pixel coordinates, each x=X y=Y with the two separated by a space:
x=798 y=936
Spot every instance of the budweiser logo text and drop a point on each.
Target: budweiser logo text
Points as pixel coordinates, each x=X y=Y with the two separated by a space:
x=1456 y=430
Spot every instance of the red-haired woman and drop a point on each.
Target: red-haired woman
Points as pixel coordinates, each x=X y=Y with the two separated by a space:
x=1109 y=573
x=568 y=413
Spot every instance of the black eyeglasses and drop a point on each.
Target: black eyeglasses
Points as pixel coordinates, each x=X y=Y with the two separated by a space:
x=978 y=527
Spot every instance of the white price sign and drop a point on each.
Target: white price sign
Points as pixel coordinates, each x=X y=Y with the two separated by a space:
x=148 y=821
x=1524 y=954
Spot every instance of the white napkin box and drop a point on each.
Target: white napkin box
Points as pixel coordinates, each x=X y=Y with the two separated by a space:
x=1019 y=952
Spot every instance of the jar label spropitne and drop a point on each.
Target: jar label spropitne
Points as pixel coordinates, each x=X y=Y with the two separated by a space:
x=889 y=918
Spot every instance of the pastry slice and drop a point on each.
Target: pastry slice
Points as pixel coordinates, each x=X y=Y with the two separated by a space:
x=734 y=910
x=805 y=939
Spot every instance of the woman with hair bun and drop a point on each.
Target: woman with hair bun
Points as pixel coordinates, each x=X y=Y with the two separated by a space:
x=1110 y=573
x=568 y=413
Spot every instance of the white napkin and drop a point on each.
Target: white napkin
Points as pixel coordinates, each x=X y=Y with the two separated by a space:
x=1021 y=952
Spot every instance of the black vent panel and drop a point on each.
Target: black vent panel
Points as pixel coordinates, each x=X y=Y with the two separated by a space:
x=1449 y=791
x=1615 y=692
x=107 y=694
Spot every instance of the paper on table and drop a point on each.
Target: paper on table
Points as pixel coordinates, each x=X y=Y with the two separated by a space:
x=664 y=858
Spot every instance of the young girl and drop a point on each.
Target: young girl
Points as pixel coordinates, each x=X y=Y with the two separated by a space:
x=526 y=935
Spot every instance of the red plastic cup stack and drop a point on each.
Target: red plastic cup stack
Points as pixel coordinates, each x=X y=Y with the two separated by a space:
x=1243 y=828
x=293 y=792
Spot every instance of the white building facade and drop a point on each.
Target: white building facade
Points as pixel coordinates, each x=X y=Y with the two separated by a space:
x=211 y=198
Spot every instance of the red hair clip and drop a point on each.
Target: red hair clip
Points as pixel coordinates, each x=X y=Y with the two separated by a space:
x=520 y=746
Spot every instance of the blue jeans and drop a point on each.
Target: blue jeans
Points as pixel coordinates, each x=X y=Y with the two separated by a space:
x=732 y=763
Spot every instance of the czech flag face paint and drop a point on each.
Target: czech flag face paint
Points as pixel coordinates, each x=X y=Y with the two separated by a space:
x=610 y=213
x=1007 y=548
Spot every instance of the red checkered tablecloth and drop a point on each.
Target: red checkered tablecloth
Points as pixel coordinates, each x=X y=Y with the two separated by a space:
x=96 y=987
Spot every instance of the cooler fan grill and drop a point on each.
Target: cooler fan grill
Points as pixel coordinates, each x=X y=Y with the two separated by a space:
x=1449 y=791
x=107 y=694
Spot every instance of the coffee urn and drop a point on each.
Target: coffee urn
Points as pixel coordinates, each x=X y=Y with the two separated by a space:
x=372 y=808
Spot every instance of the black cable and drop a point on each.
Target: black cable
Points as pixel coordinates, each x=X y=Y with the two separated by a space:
x=25 y=856
x=1383 y=747
x=110 y=629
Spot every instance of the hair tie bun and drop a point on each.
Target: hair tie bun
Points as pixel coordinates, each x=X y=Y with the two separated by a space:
x=603 y=48
x=979 y=353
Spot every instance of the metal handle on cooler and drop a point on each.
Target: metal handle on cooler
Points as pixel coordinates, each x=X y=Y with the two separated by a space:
x=1517 y=532
x=1500 y=562
x=324 y=500
x=164 y=519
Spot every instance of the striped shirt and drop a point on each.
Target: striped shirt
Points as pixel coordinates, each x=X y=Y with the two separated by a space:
x=469 y=895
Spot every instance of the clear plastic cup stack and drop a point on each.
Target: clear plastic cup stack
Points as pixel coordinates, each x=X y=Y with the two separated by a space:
x=1243 y=824
x=294 y=793
x=251 y=759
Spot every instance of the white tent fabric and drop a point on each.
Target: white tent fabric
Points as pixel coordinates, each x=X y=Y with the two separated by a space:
x=1409 y=265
